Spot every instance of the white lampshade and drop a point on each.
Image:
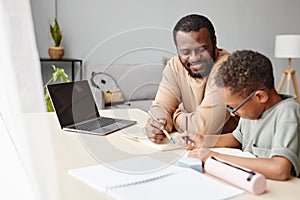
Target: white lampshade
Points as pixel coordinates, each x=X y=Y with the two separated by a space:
x=287 y=46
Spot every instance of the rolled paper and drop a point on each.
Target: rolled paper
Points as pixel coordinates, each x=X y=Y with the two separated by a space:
x=241 y=177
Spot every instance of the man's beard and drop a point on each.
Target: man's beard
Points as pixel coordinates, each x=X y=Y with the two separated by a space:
x=200 y=75
x=208 y=68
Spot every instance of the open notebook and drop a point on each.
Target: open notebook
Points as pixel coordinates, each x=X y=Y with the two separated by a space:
x=166 y=145
x=164 y=182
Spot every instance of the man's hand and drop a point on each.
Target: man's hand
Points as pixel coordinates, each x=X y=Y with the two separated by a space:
x=153 y=129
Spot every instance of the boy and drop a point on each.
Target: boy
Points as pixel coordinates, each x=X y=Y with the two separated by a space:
x=269 y=124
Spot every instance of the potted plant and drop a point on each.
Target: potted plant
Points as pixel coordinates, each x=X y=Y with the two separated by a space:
x=56 y=52
x=63 y=77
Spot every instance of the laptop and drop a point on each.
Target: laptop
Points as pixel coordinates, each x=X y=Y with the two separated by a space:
x=77 y=111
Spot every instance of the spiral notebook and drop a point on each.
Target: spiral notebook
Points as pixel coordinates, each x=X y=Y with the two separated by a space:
x=163 y=182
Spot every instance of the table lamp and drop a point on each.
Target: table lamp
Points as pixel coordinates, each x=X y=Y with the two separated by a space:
x=288 y=46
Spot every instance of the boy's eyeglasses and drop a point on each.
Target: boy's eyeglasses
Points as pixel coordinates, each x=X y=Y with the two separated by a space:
x=234 y=110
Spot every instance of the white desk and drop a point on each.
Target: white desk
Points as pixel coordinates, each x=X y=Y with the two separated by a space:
x=74 y=150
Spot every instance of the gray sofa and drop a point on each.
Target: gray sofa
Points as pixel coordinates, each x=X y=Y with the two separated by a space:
x=138 y=83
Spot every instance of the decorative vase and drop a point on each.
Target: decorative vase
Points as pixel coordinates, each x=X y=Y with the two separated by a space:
x=56 y=53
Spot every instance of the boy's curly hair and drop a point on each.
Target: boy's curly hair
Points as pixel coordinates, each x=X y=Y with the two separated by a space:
x=244 y=72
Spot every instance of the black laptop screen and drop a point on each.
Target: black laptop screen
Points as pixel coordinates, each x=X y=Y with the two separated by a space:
x=73 y=102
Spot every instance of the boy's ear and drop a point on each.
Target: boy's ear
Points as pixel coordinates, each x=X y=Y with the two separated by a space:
x=261 y=96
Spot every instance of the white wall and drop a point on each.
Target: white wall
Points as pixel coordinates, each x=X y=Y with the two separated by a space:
x=239 y=24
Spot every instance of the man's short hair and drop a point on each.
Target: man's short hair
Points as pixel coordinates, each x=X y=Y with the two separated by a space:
x=194 y=22
x=244 y=72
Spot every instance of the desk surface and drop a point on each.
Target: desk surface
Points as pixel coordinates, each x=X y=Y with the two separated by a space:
x=74 y=150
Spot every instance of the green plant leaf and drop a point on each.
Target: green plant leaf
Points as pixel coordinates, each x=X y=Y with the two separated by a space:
x=49 y=105
x=55 y=75
x=66 y=79
x=57 y=72
x=56 y=33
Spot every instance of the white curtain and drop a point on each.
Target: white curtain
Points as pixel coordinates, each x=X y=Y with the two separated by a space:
x=27 y=169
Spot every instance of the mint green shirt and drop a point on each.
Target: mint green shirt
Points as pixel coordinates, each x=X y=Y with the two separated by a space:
x=275 y=133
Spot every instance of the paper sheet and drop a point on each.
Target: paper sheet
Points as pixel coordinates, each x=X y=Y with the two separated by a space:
x=166 y=145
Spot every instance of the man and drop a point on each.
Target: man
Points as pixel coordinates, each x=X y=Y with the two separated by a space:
x=188 y=79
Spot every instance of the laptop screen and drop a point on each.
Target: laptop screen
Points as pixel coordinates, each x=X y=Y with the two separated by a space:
x=73 y=102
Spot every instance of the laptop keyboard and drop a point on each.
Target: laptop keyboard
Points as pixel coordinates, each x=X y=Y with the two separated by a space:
x=95 y=124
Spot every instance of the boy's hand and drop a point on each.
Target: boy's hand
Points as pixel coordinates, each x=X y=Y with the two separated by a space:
x=202 y=153
x=191 y=140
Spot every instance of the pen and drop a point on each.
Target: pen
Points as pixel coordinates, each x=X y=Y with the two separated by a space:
x=163 y=130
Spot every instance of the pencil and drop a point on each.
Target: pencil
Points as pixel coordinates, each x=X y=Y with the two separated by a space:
x=163 y=130
x=186 y=123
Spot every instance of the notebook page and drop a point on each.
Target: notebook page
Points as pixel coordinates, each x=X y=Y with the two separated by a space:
x=134 y=132
x=222 y=150
x=234 y=152
x=123 y=172
x=185 y=184
x=166 y=145
x=171 y=182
